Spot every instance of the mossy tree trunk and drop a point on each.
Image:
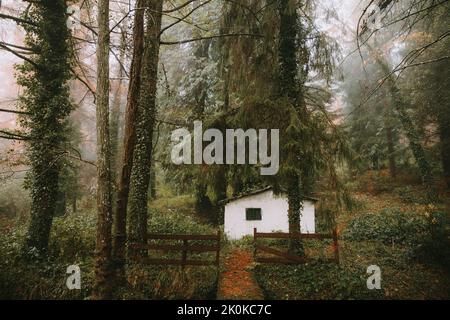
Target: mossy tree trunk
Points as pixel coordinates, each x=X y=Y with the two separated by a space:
x=152 y=188
x=442 y=73
x=200 y=92
x=401 y=108
x=120 y=214
x=221 y=178
x=391 y=152
x=142 y=158
x=444 y=135
x=414 y=141
x=46 y=99
x=294 y=214
x=388 y=119
x=116 y=107
x=103 y=259
x=290 y=87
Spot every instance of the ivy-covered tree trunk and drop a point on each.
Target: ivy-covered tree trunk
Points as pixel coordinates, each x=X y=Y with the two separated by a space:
x=442 y=106
x=116 y=106
x=220 y=178
x=444 y=135
x=46 y=99
x=391 y=152
x=414 y=142
x=400 y=106
x=289 y=87
x=200 y=92
x=388 y=118
x=120 y=214
x=294 y=212
x=103 y=258
x=152 y=189
x=142 y=158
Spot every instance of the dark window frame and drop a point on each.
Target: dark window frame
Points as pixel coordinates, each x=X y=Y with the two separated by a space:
x=253 y=214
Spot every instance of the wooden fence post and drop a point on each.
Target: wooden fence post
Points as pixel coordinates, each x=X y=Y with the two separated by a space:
x=218 y=248
x=255 y=250
x=184 y=254
x=335 y=246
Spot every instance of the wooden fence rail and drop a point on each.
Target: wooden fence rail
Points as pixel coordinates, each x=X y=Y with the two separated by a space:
x=286 y=257
x=184 y=248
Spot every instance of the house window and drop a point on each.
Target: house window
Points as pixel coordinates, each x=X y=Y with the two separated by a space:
x=253 y=214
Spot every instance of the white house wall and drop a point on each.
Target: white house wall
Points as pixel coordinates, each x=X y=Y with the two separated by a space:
x=274 y=211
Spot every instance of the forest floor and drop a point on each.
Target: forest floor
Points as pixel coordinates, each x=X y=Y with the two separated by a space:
x=387 y=227
x=237 y=281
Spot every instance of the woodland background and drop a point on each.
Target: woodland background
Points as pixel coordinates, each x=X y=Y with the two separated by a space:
x=359 y=90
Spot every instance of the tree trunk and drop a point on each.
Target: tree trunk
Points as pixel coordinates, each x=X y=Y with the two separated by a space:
x=120 y=217
x=391 y=152
x=400 y=106
x=74 y=204
x=202 y=201
x=237 y=184
x=443 y=116
x=46 y=99
x=289 y=86
x=115 y=109
x=142 y=162
x=103 y=271
x=220 y=180
x=287 y=52
x=294 y=211
x=388 y=117
x=414 y=142
x=200 y=92
x=444 y=135
x=152 y=188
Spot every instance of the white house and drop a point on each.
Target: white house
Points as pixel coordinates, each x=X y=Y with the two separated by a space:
x=265 y=211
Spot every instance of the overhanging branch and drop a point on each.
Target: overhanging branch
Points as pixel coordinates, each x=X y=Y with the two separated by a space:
x=211 y=37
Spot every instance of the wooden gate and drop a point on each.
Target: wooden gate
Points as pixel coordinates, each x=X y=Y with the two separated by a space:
x=182 y=246
x=286 y=257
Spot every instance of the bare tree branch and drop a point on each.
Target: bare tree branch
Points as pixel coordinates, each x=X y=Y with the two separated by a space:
x=211 y=37
x=14 y=111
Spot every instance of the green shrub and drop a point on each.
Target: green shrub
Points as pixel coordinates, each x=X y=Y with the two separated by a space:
x=73 y=237
x=408 y=195
x=389 y=226
x=172 y=221
x=427 y=236
x=314 y=281
x=14 y=200
x=72 y=242
x=436 y=246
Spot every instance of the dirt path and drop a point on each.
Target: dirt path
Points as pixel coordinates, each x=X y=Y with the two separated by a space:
x=237 y=281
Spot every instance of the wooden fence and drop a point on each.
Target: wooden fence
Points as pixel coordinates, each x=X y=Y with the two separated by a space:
x=184 y=248
x=286 y=257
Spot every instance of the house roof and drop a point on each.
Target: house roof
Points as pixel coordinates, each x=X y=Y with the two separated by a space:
x=258 y=191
